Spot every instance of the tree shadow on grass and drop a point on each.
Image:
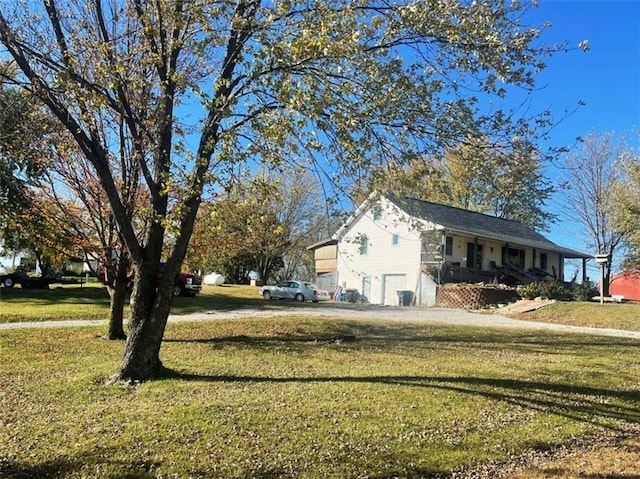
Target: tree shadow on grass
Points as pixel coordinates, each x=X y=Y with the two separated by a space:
x=596 y=406
x=575 y=401
x=72 y=295
x=391 y=336
x=64 y=466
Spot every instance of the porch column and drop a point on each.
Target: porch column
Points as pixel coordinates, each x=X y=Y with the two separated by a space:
x=584 y=270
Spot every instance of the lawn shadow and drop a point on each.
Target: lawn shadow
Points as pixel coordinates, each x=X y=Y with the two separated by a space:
x=576 y=401
x=579 y=403
x=383 y=335
x=55 y=295
x=64 y=466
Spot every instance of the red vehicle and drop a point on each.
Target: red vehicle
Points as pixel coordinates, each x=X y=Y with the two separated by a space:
x=186 y=284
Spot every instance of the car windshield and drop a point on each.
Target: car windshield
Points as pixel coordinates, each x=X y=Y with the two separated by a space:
x=310 y=286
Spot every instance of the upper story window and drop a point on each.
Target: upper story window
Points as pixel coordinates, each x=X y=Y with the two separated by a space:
x=377 y=213
x=395 y=240
x=364 y=245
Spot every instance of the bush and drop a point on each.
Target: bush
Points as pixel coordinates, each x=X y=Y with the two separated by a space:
x=545 y=290
x=583 y=291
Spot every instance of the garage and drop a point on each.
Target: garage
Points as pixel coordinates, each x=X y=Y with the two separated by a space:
x=391 y=284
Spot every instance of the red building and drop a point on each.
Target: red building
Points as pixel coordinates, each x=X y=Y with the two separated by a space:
x=626 y=284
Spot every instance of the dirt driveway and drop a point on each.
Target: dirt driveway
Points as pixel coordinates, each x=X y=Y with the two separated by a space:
x=359 y=311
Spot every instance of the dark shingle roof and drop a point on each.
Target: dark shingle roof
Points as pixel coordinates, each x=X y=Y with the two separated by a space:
x=478 y=224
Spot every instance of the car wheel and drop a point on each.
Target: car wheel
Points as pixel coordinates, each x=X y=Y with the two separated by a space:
x=300 y=297
x=178 y=290
x=9 y=283
x=266 y=295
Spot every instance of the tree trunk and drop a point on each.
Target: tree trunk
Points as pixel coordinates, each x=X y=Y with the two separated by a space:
x=607 y=280
x=150 y=306
x=118 y=286
x=117 y=296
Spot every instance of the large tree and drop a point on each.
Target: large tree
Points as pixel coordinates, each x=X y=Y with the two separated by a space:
x=237 y=234
x=349 y=83
x=626 y=207
x=22 y=131
x=29 y=136
x=79 y=208
x=478 y=175
x=263 y=224
x=592 y=173
x=504 y=182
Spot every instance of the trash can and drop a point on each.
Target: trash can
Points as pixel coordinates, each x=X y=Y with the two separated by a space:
x=351 y=295
x=405 y=297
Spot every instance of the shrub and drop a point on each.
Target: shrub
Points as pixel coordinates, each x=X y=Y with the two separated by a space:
x=583 y=291
x=545 y=290
x=530 y=291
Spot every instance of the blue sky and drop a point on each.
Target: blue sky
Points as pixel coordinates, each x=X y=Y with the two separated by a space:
x=606 y=78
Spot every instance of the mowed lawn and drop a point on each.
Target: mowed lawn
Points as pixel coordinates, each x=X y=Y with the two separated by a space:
x=267 y=398
x=91 y=301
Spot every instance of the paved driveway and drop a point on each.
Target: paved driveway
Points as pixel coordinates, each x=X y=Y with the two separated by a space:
x=428 y=315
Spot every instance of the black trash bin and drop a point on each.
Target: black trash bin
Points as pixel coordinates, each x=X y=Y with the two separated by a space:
x=405 y=297
x=351 y=295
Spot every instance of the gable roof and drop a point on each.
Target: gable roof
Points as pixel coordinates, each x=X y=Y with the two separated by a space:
x=479 y=224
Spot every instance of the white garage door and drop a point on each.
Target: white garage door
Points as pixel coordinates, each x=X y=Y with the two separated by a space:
x=392 y=283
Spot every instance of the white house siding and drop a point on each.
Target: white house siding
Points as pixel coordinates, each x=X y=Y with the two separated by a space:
x=553 y=264
x=11 y=260
x=383 y=261
x=391 y=284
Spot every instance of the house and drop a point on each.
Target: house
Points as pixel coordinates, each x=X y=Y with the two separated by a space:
x=626 y=284
x=395 y=250
x=10 y=260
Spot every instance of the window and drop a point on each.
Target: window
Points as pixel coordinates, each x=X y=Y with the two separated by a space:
x=395 y=239
x=543 y=261
x=448 y=246
x=514 y=256
x=364 y=245
x=377 y=213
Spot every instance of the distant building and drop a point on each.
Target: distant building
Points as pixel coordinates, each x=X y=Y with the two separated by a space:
x=626 y=284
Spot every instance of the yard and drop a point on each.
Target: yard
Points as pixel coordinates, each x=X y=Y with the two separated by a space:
x=282 y=398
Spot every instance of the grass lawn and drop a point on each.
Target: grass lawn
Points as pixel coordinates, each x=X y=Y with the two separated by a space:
x=91 y=301
x=592 y=314
x=278 y=398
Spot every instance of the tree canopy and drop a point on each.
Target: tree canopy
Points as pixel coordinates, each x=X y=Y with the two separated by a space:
x=592 y=173
x=201 y=87
x=626 y=207
x=21 y=152
x=263 y=224
x=504 y=182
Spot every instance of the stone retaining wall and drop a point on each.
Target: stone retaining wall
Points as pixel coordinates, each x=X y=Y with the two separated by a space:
x=462 y=296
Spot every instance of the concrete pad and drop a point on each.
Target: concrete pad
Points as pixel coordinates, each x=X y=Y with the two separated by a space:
x=527 y=305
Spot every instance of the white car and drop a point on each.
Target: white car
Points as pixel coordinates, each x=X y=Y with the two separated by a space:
x=297 y=290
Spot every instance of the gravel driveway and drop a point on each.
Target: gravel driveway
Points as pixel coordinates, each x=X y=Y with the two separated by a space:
x=347 y=311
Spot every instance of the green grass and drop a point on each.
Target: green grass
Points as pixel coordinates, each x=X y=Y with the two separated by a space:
x=279 y=398
x=608 y=315
x=91 y=301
